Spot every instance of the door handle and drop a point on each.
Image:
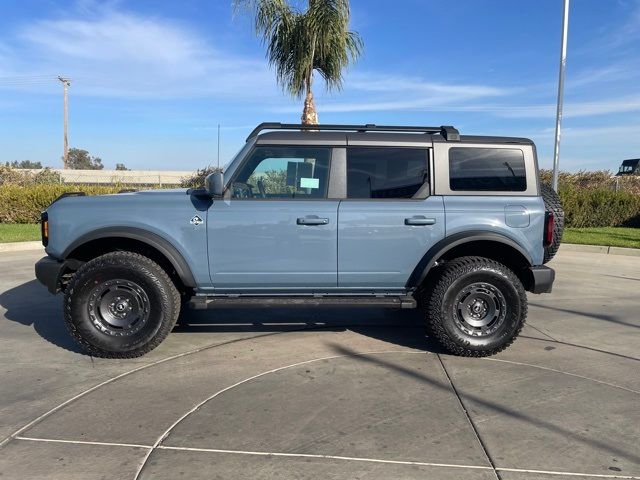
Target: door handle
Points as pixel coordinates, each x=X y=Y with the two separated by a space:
x=312 y=221
x=419 y=220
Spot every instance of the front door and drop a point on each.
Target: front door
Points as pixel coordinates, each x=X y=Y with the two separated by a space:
x=276 y=229
x=389 y=220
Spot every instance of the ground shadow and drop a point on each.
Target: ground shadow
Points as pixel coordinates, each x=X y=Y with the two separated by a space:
x=399 y=327
x=32 y=305
x=595 y=316
x=519 y=414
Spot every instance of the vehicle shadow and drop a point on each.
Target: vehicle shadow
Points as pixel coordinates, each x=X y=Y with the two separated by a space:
x=30 y=304
x=403 y=328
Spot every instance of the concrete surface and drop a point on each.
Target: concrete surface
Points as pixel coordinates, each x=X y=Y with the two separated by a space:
x=21 y=247
x=329 y=394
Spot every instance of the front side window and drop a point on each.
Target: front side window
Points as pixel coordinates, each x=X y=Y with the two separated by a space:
x=283 y=172
x=386 y=172
x=487 y=169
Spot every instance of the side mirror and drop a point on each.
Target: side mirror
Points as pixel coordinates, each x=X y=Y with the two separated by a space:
x=214 y=184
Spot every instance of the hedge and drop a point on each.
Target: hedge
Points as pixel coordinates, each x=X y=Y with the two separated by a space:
x=583 y=207
x=20 y=204
x=600 y=208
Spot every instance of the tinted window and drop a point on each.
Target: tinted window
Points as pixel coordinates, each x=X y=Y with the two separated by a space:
x=283 y=172
x=487 y=169
x=385 y=172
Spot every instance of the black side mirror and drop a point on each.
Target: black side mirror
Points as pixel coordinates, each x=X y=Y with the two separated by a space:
x=214 y=184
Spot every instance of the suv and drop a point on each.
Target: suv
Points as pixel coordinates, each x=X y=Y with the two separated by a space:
x=323 y=215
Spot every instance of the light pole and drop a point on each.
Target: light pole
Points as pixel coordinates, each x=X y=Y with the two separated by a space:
x=65 y=157
x=563 y=63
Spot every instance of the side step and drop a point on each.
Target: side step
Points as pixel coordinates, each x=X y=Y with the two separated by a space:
x=204 y=302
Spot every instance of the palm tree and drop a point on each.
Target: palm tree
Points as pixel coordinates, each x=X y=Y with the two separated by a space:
x=299 y=43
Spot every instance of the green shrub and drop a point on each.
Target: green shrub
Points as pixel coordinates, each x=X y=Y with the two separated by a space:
x=600 y=208
x=597 y=180
x=23 y=204
x=14 y=176
x=197 y=179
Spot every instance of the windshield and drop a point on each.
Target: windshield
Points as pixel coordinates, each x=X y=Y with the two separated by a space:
x=235 y=161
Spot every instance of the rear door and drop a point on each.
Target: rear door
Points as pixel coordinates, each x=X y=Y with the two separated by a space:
x=389 y=220
x=277 y=230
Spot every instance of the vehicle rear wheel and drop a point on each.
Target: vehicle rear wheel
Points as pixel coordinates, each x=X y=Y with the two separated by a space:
x=476 y=307
x=553 y=204
x=120 y=305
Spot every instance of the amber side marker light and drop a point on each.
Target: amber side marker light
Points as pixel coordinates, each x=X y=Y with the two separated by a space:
x=44 y=228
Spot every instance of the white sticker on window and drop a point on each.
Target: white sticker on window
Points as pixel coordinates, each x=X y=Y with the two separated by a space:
x=309 y=183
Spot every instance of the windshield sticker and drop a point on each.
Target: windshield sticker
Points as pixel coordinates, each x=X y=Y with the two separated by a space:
x=309 y=183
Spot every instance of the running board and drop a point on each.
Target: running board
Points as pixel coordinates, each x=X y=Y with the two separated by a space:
x=204 y=302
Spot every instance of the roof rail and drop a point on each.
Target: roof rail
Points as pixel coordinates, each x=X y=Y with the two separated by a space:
x=448 y=132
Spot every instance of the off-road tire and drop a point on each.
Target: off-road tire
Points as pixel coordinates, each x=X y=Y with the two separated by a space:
x=443 y=319
x=553 y=204
x=150 y=282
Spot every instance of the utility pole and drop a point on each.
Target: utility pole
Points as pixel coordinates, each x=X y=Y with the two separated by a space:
x=563 y=63
x=65 y=157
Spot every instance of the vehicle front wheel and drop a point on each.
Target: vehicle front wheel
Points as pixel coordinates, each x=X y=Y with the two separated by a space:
x=120 y=305
x=475 y=307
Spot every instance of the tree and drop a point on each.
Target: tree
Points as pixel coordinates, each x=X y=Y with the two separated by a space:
x=299 y=43
x=26 y=164
x=81 y=160
x=121 y=166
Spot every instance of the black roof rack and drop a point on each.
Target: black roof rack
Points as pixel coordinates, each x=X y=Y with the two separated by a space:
x=448 y=132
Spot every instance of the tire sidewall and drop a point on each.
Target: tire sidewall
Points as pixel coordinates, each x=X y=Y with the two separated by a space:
x=160 y=309
x=512 y=321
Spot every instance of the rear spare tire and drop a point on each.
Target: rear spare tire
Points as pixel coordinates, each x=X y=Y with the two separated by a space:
x=553 y=205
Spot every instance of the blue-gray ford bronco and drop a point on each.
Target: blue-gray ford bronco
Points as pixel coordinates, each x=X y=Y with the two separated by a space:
x=325 y=215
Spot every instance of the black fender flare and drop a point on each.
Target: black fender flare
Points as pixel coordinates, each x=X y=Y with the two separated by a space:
x=152 y=239
x=443 y=246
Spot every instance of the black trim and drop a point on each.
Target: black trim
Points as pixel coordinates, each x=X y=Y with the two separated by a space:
x=69 y=194
x=203 y=302
x=48 y=272
x=448 y=132
x=452 y=241
x=144 y=236
x=542 y=278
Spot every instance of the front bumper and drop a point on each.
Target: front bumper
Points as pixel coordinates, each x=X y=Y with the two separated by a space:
x=541 y=279
x=49 y=270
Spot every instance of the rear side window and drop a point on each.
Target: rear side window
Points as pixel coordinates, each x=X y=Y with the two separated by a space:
x=487 y=169
x=386 y=172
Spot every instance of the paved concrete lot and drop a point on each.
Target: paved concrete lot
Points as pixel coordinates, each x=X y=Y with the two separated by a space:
x=328 y=394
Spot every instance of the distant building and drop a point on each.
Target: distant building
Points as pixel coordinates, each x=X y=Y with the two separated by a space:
x=630 y=167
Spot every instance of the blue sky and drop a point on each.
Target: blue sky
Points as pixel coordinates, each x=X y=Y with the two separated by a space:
x=152 y=79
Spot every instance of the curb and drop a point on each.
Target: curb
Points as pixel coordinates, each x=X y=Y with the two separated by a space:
x=602 y=249
x=21 y=246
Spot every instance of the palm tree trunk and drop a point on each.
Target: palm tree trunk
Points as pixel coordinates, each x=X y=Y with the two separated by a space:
x=309 y=112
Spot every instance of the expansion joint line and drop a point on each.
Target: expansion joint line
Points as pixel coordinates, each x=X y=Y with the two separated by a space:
x=469 y=420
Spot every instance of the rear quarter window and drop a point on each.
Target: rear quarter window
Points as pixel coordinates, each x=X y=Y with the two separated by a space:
x=487 y=169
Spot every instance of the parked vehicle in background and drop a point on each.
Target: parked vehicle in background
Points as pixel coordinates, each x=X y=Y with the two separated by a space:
x=321 y=215
x=629 y=167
